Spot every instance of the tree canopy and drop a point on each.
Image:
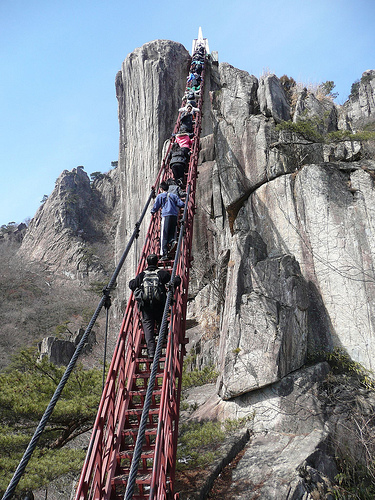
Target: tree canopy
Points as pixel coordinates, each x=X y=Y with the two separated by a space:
x=26 y=388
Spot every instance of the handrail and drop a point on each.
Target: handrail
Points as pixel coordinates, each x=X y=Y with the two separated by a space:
x=151 y=382
x=101 y=473
x=123 y=344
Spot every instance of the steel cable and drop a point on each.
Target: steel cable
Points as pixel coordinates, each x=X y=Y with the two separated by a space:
x=34 y=440
x=151 y=382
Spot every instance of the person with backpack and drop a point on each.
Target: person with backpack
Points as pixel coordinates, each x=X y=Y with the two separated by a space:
x=150 y=291
x=174 y=187
x=190 y=96
x=184 y=140
x=178 y=160
x=170 y=204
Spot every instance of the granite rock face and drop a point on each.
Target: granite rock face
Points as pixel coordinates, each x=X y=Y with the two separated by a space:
x=59 y=351
x=324 y=217
x=284 y=220
x=283 y=247
x=275 y=197
x=149 y=91
x=264 y=336
x=73 y=225
x=361 y=106
x=272 y=99
x=288 y=436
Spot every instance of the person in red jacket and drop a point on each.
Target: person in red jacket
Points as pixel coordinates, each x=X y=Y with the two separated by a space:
x=184 y=140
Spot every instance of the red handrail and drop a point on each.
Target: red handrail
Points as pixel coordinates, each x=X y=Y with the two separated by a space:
x=101 y=463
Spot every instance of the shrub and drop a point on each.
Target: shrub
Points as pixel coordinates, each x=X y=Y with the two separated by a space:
x=306 y=128
x=347 y=393
x=194 y=440
x=366 y=79
x=198 y=441
x=96 y=176
x=197 y=377
x=354 y=91
x=327 y=87
x=289 y=85
x=26 y=388
x=346 y=135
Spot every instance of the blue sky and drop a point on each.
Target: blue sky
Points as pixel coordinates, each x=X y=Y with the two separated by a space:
x=59 y=59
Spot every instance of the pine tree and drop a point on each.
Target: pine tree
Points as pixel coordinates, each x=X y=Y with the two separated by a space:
x=26 y=388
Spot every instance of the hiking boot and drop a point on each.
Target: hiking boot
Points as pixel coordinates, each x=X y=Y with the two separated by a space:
x=173 y=245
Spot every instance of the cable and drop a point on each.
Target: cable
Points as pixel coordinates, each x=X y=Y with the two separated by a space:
x=43 y=422
x=151 y=382
x=107 y=305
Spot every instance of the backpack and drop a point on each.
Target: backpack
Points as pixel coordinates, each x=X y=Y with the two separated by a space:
x=151 y=292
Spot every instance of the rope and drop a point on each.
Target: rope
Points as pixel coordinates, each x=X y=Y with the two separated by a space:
x=107 y=305
x=151 y=383
x=43 y=422
x=174 y=270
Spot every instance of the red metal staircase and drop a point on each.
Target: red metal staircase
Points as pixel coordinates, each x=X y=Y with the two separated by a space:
x=139 y=410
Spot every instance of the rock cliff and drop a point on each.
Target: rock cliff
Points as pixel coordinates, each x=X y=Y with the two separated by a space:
x=149 y=89
x=72 y=231
x=283 y=248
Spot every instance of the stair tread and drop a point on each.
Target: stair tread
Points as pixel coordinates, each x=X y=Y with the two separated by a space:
x=151 y=430
x=128 y=447
x=138 y=411
x=143 y=392
x=143 y=477
x=147 y=375
x=130 y=453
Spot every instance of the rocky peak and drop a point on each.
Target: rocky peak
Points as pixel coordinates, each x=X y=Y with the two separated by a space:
x=360 y=107
x=13 y=233
x=149 y=90
x=272 y=98
x=68 y=226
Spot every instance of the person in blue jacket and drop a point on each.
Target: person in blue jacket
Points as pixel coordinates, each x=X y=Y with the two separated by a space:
x=170 y=205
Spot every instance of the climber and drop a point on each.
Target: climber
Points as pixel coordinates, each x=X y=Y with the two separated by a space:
x=178 y=160
x=197 y=66
x=184 y=140
x=188 y=114
x=191 y=97
x=170 y=204
x=174 y=187
x=193 y=80
x=152 y=310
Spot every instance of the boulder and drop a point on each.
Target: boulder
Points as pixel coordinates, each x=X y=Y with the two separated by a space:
x=264 y=330
x=288 y=453
x=59 y=352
